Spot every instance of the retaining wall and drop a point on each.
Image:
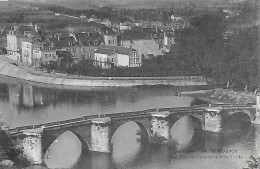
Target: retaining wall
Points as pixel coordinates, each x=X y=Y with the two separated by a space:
x=14 y=71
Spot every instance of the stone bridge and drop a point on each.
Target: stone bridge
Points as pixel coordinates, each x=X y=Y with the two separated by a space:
x=96 y=131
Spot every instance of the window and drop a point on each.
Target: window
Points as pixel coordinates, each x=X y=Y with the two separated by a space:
x=46 y=55
x=50 y=55
x=108 y=41
x=112 y=59
x=74 y=49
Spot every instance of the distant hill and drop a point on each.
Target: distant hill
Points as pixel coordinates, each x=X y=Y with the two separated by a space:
x=86 y=4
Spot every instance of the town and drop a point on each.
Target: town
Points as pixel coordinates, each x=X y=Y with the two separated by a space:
x=129 y=84
x=131 y=42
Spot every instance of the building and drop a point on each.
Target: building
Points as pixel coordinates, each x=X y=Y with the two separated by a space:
x=88 y=41
x=102 y=57
x=106 y=22
x=27 y=51
x=140 y=41
x=67 y=43
x=15 y=37
x=44 y=53
x=4 y=30
x=169 y=38
x=122 y=56
x=109 y=36
x=93 y=18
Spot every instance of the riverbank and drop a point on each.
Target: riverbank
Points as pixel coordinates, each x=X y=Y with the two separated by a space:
x=7 y=68
x=224 y=96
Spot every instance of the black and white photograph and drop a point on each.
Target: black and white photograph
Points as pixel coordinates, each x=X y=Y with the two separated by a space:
x=129 y=84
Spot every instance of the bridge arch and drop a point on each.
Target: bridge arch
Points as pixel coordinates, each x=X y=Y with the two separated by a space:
x=237 y=121
x=248 y=114
x=144 y=131
x=185 y=131
x=196 y=121
x=49 y=139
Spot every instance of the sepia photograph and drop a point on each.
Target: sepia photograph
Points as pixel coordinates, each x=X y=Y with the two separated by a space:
x=129 y=84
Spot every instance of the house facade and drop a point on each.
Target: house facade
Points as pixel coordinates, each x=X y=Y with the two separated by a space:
x=44 y=54
x=15 y=38
x=109 y=36
x=102 y=57
x=27 y=51
x=121 y=56
x=140 y=41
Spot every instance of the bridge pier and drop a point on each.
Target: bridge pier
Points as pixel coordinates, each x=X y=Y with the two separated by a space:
x=101 y=135
x=32 y=145
x=257 y=107
x=160 y=131
x=213 y=120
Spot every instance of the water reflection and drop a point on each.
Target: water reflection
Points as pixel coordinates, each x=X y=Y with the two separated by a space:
x=37 y=104
x=194 y=148
x=22 y=104
x=64 y=151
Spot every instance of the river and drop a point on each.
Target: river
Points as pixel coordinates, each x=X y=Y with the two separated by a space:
x=22 y=103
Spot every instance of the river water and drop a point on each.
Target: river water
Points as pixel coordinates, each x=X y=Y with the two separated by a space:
x=22 y=103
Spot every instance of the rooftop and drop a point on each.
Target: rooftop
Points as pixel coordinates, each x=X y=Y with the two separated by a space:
x=117 y=49
x=105 y=51
x=135 y=34
x=63 y=41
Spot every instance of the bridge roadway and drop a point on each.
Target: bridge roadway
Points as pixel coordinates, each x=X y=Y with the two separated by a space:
x=86 y=119
x=96 y=131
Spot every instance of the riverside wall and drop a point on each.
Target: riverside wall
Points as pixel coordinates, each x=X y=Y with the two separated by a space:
x=11 y=70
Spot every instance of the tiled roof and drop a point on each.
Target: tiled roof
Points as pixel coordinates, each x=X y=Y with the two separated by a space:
x=105 y=51
x=151 y=31
x=118 y=49
x=88 y=38
x=22 y=29
x=123 y=50
x=5 y=30
x=108 y=31
x=136 y=34
x=64 y=41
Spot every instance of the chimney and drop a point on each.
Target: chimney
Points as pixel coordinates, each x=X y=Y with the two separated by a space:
x=36 y=27
x=15 y=28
